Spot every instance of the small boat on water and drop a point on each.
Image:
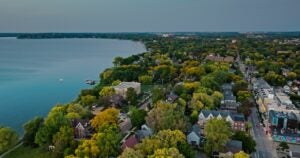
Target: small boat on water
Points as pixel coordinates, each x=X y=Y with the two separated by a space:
x=61 y=80
x=90 y=82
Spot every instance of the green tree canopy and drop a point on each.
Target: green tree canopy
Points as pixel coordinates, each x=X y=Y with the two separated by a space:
x=31 y=128
x=249 y=143
x=166 y=116
x=217 y=133
x=131 y=96
x=8 y=138
x=137 y=116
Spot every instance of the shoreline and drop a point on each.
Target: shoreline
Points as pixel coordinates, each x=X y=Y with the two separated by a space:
x=21 y=133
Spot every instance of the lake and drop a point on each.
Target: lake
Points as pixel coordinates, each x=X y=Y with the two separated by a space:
x=31 y=72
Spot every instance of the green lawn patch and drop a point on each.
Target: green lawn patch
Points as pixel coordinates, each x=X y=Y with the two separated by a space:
x=28 y=152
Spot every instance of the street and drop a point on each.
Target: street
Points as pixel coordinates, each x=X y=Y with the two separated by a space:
x=265 y=147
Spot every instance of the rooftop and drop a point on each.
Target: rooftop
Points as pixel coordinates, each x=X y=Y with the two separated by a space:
x=127 y=84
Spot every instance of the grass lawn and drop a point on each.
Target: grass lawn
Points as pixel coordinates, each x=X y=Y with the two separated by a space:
x=147 y=88
x=27 y=152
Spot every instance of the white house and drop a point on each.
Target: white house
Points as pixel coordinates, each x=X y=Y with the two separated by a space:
x=236 y=120
x=121 y=89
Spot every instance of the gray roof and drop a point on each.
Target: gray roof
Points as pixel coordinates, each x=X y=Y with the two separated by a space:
x=239 y=117
x=215 y=113
x=228 y=95
x=234 y=146
x=261 y=83
x=196 y=128
x=224 y=114
x=227 y=86
x=289 y=115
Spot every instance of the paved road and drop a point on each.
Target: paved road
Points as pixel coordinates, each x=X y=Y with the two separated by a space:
x=265 y=147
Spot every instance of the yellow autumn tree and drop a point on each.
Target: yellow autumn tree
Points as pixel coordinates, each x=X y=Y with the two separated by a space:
x=108 y=116
x=166 y=152
x=241 y=154
x=107 y=91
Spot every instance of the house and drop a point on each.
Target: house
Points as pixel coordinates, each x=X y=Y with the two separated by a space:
x=194 y=136
x=283 y=99
x=144 y=132
x=229 y=101
x=212 y=57
x=121 y=89
x=232 y=147
x=96 y=110
x=124 y=123
x=228 y=97
x=286 y=89
x=117 y=100
x=218 y=58
x=237 y=121
x=82 y=128
x=228 y=94
x=171 y=98
x=228 y=59
x=284 y=126
x=129 y=142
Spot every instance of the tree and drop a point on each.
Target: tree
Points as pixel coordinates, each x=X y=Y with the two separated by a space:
x=248 y=143
x=107 y=91
x=243 y=95
x=207 y=100
x=217 y=132
x=64 y=141
x=108 y=116
x=240 y=85
x=137 y=116
x=87 y=148
x=146 y=79
x=241 y=154
x=131 y=153
x=209 y=82
x=164 y=73
x=116 y=82
x=283 y=146
x=77 y=109
x=108 y=140
x=105 y=143
x=217 y=98
x=166 y=152
x=292 y=75
x=131 y=96
x=275 y=79
x=55 y=119
x=196 y=105
x=245 y=107
x=194 y=116
x=8 y=138
x=88 y=100
x=117 y=61
x=158 y=94
x=166 y=116
x=31 y=128
x=163 y=139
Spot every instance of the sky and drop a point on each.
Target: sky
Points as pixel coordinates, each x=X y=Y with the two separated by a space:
x=149 y=15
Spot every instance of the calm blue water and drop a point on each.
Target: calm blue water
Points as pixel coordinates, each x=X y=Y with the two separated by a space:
x=30 y=71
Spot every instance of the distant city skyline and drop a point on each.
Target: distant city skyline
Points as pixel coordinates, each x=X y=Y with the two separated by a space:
x=149 y=16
